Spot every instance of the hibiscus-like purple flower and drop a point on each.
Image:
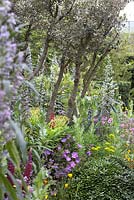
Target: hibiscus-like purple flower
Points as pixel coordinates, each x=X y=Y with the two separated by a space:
x=72 y=164
x=74 y=155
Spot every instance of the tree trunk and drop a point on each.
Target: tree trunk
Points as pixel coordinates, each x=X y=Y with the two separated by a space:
x=56 y=88
x=42 y=58
x=71 y=101
x=88 y=75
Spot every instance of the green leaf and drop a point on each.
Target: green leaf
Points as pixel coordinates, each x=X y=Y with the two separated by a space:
x=9 y=189
x=20 y=141
x=13 y=152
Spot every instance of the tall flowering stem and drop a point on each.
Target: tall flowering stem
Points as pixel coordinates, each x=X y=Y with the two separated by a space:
x=10 y=68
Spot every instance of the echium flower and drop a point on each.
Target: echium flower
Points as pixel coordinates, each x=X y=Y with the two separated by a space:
x=10 y=67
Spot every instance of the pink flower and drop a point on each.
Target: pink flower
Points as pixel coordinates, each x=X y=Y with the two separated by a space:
x=122 y=125
x=110 y=120
x=103 y=122
x=131 y=129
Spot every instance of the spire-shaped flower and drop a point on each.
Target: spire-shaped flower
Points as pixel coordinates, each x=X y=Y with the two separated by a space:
x=10 y=68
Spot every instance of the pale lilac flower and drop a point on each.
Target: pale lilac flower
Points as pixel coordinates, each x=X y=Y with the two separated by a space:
x=77 y=160
x=79 y=146
x=63 y=140
x=72 y=164
x=68 y=158
x=67 y=151
x=59 y=148
x=9 y=67
x=74 y=155
x=68 y=169
x=47 y=152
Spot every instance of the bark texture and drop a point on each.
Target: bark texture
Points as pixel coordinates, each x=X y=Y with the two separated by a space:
x=50 y=109
x=72 y=98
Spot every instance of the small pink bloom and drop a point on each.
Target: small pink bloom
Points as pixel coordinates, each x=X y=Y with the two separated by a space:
x=122 y=125
x=110 y=120
x=103 y=122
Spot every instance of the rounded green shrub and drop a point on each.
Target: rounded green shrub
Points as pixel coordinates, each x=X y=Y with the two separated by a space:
x=103 y=179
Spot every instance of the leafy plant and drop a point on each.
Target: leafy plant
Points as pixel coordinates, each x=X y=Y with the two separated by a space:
x=103 y=179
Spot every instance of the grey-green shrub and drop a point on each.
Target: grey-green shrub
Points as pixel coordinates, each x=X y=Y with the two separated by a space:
x=103 y=179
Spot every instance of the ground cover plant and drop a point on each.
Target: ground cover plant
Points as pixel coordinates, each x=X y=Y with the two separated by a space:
x=66 y=131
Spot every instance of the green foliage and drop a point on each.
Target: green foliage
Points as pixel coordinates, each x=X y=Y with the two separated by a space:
x=39 y=189
x=103 y=179
x=124 y=91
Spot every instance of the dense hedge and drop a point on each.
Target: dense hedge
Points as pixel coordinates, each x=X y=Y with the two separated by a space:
x=103 y=179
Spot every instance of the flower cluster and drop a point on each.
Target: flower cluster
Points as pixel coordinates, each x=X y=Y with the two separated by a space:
x=27 y=169
x=62 y=159
x=104 y=120
x=127 y=129
x=10 y=67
